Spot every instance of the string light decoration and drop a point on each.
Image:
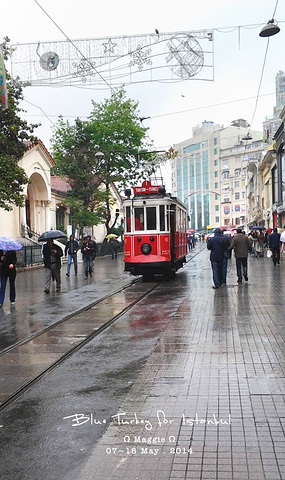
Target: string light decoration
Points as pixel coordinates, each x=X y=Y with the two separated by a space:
x=113 y=61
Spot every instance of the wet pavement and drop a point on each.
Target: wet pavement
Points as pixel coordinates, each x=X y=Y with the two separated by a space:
x=190 y=384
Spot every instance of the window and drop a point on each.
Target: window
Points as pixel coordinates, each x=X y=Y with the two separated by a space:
x=216 y=141
x=226 y=198
x=216 y=163
x=225 y=164
x=217 y=219
x=217 y=208
x=216 y=173
x=215 y=151
x=237 y=196
x=128 y=218
x=226 y=174
x=237 y=184
x=161 y=218
x=237 y=221
x=139 y=218
x=237 y=172
x=216 y=185
x=151 y=218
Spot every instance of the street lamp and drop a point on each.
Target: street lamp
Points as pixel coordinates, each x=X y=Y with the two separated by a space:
x=99 y=155
x=270 y=29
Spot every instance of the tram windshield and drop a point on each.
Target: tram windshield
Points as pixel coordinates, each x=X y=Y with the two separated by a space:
x=147 y=218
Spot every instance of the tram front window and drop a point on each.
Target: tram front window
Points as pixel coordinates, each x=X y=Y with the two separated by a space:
x=139 y=219
x=151 y=218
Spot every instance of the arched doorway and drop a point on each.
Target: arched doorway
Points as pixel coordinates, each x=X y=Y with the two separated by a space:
x=37 y=204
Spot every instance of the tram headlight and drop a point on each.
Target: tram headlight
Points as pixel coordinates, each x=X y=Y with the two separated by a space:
x=145 y=248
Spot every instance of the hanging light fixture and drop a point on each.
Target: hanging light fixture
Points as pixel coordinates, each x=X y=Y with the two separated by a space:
x=270 y=29
x=247 y=137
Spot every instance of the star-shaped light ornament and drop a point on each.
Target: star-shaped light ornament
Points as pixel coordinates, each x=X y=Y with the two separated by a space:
x=109 y=46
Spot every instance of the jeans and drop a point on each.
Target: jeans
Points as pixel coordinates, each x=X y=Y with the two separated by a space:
x=87 y=265
x=4 y=279
x=241 y=264
x=217 y=273
x=71 y=257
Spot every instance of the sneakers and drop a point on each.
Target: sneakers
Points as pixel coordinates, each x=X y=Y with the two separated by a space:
x=46 y=290
x=12 y=303
x=67 y=274
x=246 y=278
x=215 y=287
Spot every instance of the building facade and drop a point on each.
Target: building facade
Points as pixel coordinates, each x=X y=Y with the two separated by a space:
x=208 y=174
x=44 y=206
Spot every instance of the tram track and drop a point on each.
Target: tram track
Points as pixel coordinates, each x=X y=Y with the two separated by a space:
x=34 y=357
x=63 y=338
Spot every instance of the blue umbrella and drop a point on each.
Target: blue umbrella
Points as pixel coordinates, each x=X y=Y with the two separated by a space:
x=9 y=244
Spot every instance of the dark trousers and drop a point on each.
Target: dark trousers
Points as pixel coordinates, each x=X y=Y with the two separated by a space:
x=275 y=255
x=87 y=265
x=241 y=264
x=217 y=273
x=4 y=279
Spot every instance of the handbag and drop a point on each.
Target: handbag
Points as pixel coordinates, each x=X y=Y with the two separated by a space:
x=269 y=254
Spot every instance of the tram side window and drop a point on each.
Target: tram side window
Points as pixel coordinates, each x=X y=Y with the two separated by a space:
x=139 y=218
x=162 y=218
x=128 y=218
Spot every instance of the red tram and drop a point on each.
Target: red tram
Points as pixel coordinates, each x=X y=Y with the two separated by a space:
x=155 y=238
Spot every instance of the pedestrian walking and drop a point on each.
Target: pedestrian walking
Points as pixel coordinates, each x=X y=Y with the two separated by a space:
x=114 y=247
x=87 y=250
x=282 y=240
x=93 y=244
x=241 y=245
x=71 y=250
x=217 y=246
x=274 y=245
x=260 y=238
x=225 y=258
x=52 y=260
x=8 y=270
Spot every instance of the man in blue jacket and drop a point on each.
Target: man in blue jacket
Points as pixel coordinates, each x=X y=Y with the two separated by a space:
x=217 y=245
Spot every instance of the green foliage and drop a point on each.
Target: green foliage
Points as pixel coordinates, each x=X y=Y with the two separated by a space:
x=15 y=134
x=12 y=179
x=113 y=128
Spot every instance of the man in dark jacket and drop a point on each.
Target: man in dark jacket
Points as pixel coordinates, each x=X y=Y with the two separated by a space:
x=217 y=245
x=52 y=254
x=71 y=250
x=274 y=245
x=241 y=245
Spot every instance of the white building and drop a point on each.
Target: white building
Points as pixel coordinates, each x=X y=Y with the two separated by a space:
x=44 y=201
x=198 y=173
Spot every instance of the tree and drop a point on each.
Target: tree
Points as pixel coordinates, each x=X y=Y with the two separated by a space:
x=15 y=135
x=114 y=129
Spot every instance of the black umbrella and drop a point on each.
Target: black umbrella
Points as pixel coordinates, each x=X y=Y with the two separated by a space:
x=51 y=234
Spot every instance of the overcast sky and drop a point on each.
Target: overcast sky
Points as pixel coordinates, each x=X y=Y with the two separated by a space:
x=239 y=55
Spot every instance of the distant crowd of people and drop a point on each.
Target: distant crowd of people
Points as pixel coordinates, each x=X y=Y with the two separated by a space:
x=222 y=245
x=52 y=255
